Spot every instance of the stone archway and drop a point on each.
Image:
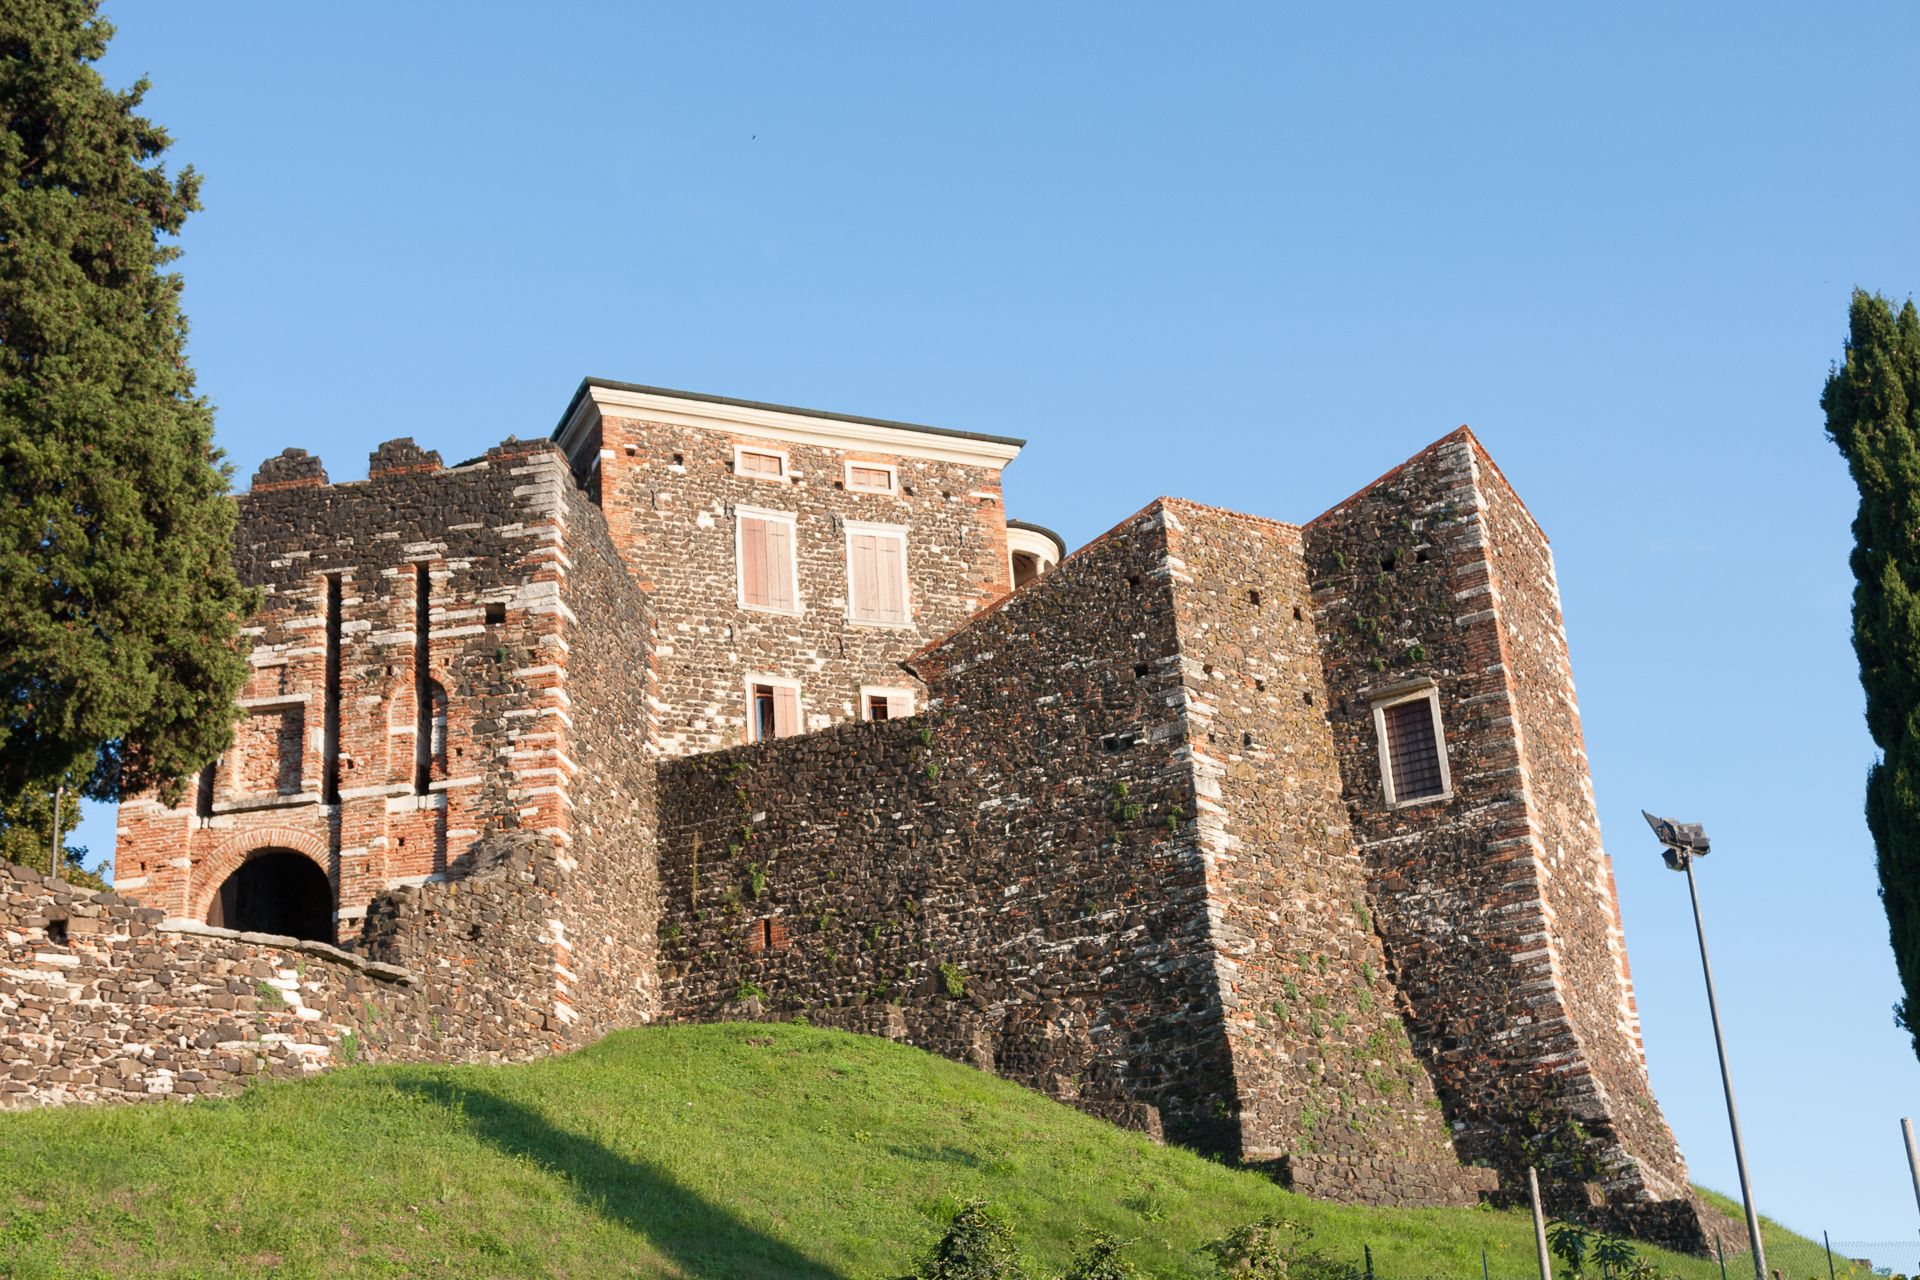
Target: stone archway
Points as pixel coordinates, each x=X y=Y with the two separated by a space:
x=275 y=891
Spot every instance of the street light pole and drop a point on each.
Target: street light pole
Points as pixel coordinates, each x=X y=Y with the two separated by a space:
x=1726 y=1079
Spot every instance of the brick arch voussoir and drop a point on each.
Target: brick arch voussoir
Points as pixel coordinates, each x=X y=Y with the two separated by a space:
x=227 y=856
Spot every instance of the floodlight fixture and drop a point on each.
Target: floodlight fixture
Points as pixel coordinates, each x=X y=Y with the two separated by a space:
x=1681 y=842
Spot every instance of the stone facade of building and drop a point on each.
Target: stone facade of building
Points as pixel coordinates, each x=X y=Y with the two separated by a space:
x=1275 y=840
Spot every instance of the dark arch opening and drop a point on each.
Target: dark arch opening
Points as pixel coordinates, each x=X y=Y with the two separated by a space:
x=276 y=891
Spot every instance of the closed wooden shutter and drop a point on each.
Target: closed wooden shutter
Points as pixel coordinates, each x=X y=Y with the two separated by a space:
x=893 y=579
x=877 y=572
x=1413 y=750
x=863 y=575
x=786 y=711
x=753 y=561
x=766 y=563
x=779 y=564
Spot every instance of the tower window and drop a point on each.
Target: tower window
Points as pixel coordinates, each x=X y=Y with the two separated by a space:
x=877 y=574
x=871 y=477
x=1413 y=747
x=773 y=708
x=759 y=464
x=769 y=575
x=885 y=704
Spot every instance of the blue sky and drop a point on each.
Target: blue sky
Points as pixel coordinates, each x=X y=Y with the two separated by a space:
x=1246 y=255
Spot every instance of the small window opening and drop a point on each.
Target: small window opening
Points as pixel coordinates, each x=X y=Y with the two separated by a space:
x=1422 y=556
x=1414 y=766
x=1246 y=739
x=203 y=794
x=679 y=459
x=1260 y=686
x=496 y=613
x=1141 y=668
x=1133 y=579
x=1307 y=696
x=750 y=462
x=1296 y=613
x=1389 y=560
x=763 y=718
x=766 y=934
x=57 y=932
x=877 y=706
x=1253 y=598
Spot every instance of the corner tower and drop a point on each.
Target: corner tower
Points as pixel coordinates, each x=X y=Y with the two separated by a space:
x=1464 y=770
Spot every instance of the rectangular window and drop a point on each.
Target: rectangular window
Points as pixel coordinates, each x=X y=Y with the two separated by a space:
x=871 y=477
x=877 y=574
x=760 y=464
x=1413 y=748
x=769 y=577
x=773 y=708
x=885 y=704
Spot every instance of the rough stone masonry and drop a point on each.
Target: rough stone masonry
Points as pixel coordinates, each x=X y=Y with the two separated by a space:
x=1276 y=840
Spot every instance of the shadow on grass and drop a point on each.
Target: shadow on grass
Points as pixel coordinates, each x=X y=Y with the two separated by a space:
x=701 y=1237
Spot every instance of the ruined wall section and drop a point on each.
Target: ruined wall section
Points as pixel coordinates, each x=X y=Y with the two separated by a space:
x=104 y=1000
x=1407 y=593
x=1010 y=879
x=1327 y=1080
x=671 y=495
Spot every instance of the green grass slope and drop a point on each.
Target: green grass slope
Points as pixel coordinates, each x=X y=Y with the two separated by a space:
x=724 y=1151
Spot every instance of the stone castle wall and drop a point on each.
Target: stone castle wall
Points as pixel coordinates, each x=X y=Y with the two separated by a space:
x=1008 y=879
x=1324 y=1072
x=1059 y=873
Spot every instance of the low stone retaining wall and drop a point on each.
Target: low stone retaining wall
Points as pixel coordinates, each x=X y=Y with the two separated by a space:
x=103 y=1000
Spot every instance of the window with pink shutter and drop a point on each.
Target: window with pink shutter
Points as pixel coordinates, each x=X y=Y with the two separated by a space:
x=877 y=575
x=766 y=563
x=866 y=478
x=773 y=708
x=786 y=711
x=751 y=462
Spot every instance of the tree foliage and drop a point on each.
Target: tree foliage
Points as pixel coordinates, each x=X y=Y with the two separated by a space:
x=119 y=608
x=26 y=836
x=1872 y=403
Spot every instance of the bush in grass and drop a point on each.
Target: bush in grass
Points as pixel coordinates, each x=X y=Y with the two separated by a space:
x=1099 y=1259
x=1274 y=1247
x=977 y=1246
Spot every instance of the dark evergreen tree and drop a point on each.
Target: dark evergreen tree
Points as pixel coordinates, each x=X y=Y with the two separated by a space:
x=120 y=654
x=1873 y=413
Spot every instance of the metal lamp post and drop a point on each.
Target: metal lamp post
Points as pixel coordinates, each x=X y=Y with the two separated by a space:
x=1681 y=843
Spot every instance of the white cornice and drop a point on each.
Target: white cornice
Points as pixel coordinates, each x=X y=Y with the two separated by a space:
x=771 y=424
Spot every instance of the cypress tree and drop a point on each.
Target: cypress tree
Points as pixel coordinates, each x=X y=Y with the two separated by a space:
x=1872 y=403
x=120 y=654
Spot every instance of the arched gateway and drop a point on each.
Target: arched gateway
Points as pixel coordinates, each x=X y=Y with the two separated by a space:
x=276 y=891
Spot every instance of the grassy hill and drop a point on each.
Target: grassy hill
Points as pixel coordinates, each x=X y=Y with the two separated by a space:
x=733 y=1150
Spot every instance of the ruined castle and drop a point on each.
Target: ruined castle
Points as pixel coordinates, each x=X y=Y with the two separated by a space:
x=1272 y=839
